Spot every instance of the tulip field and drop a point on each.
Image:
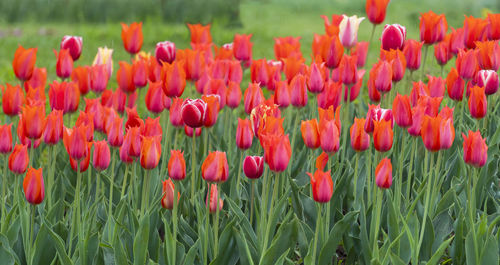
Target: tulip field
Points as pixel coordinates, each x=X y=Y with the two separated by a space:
x=378 y=148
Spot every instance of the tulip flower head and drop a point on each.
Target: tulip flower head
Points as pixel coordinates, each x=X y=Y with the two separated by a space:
x=150 y=151
x=132 y=37
x=74 y=44
x=102 y=155
x=393 y=37
x=253 y=166
x=24 y=63
x=193 y=112
x=12 y=99
x=433 y=27
x=375 y=10
x=475 y=149
x=382 y=135
x=19 y=159
x=104 y=57
x=167 y=200
x=348 y=30
x=5 y=138
x=34 y=189
x=176 y=165
x=478 y=104
x=360 y=139
x=401 y=109
x=489 y=80
x=211 y=202
x=165 y=52
x=321 y=185
x=383 y=174
x=64 y=65
x=310 y=133
x=215 y=167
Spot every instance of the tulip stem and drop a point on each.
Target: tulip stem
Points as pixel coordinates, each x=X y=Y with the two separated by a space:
x=410 y=170
x=32 y=232
x=327 y=218
x=269 y=217
x=426 y=203
x=193 y=164
x=379 y=196
x=112 y=182
x=435 y=179
x=207 y=221
x=401 y=158
x=238 y=181
x=49 y=179
x=124 y=184
x=369 y=176
x=4 y=185
x=316 y=232
x=31 y=158
x=174 y=226
x=164 y=144
x=472 y=210
x=344 y=128
x=98 y=185
x=216 y=222
x=145 y=193
x=426 y=50
x=356 y=178
x=264 y=202
x=252 y=191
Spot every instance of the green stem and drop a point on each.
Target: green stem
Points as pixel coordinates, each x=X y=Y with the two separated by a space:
x=216 y=223
x=327 y=218
x=370 y=41
x=112 y=182
x=4 y=186
x=98 y=185
x=264 y=202
x=379 y=197
x=238 y=179
x=410 y=170
x=346 y=121
x=269 y=217
x=207 y=222
x=424 y=59
x=32 y=233
x=164 y=144
x=401 y=158
x=435 y=184
x=124 y=184
x=31 y=158
x=174 y=221
x=193 y=165
x=426 y=203
x=252 y=191
x=369 y=177
x=316 y=232
x=132 y=188
x=356 y=178
x=472 y=211
x=145 y=193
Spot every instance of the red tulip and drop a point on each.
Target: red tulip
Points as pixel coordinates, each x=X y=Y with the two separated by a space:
x=242 y=47
x=200 y=33
x=140 y=73
x=12 y=99
x=244 y=134
x=298 y=87
x=233 y=96
x=401 y=108
x=215 y=167
x=433 y=27
x=98 y=78
x=442 y=52
x=446 y=131
x=175 y=112
x=253 y=166
x=84 y=163
x=165 y=52
x=33 y=186
x=360 y=139
x=167 y=199
x=321 y=185
x=64 y=96
x=174 y=79
x=132 y=37
x=33 y=120
x=75 y=141
x=413 y=53
x=375 y=10
x=217 y=87
x=331 y=95
x=211 y=201
x=212 y=110
x=398 y=63
x=360 y=50
x=277 y=152
x=478 y=104
x=332 y=52
x=19 y=159
x=253 y=97
x=381 y=76
x=436 y=86
x=5 y=138
x=102 y=155
x=24 y=62
x=383 y=174
x=125 y=78
x=466 y=63
x=489 y=80
x=457 y=40
x=131 y=146
x=475 y=149
x=310 y=133
x=155 y=98
x=193 y=112
x=81 y=75
x=393 y=37
x=74 y=44
x=455 y=85
x=150 y=151
x=189 y=131
x=176 y=165
x=382 y=135
x=53 y=131
x=347 y=69
x=64 y=65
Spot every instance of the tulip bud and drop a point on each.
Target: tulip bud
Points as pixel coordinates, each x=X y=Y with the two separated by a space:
x=401 y=108
x=150 y=152
x=175 y=112
x=413 y=53
x=277 y=152
x=360 y=139
x=466 y=64
x=310 y=133
x=176 y=165
x=478 y=104
x=125 y=78
x=98 y=78
x=242 y=47
x=298 y=87
x=442 y=52
x=382 y=135
x=132 y=37
x=348 y=30
x=19 y=159
x=102 y=155
x=53 y=131
x=174 y=79
x=24 y=63
x=165 y=52
x=321 y=185
x=75 y=141
x=393 y=37
x=233 y=96
x=433 y=27
x=33 y=120
x=155 y=98
x=253 y=97
x=212 y=200
x=167 y=200
x=12 y=99
x=5 y=138
x=139 y=73
x=475 y=149
x=375 y=10
x=244 y=134
x=33 y=186
x=315 y=78
x=455 y=85
x=64 y=65
x=253 y=166
x=383 y=174
x=215 y=167
x=74 y=44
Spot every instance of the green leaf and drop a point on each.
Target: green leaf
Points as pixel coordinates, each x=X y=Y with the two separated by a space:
x=439 y=252
x=44 y=250
x=470 y=253
x=228 y=253
x=141 y=241
x=191 y=255
x=330 y=246
x=245 y=255
x=285 y=238
x=59 y=245
x=7 y=255
x=489 y=255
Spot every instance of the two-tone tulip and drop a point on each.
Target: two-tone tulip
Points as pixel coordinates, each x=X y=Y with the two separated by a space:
x=12 y=99
x=125 y=78
x=193 y=112
x=176 y=165
x=33 y=120
x=475 y=149
x=348 y=30
x=165 y=52
x=19 y=159
x=298 y=88
x=489 y=80
x=401 y=109
x=383 y=174
x=433 y=27
x=455 y=85
x=167 y=199
x=466 y=64
x=244 y=134
x=413 y=53
x=99 y=78
x=5 y=138
x=253 y=166
x=393 y=37
x=310 y=133
x=233 y=95
x=140 y=73
x=382 y=135
x=176 y=113
x=277 y=152
x=242 y=47
x=132 y=37
x=321 y=185
x=24 y=62
x=64 y=65
x=53 y=131
x=488 y=55
x=478 y=104
x=174 y=79
x=150 y=152
x=101 y=156
x=74 y=44
x=375 y=10
x=33 y=186
x=200 y=33
x=155 y=98
x=253 y=97
x=81 y=75
x=215 y=167
x=211 y=201
x=360 y=139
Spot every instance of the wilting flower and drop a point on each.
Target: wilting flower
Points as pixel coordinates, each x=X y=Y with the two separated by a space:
x=74 y=44
x=64 y=65
x=193 y=112
x=34 y=189
x=321 y=185
x=310 y=133
x=165 y=52
x=19 y=159
x=489 y=80
x=24 y=62
x=132 y=37
x=12 y=99
x=360 y=139
x=348 y=30
x=478 y=104
x=102 y=155
x=433 y=27
x=215 y=167
x=150 y=151
x=393 y=37
x=383 y=174
x=475 y=149
x=253 y=166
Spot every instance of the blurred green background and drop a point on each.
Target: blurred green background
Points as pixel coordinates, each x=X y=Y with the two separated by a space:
x=42 y=23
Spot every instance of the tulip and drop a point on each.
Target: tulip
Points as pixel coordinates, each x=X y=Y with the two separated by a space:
x=310 y=133
x=81 y=75
x=446 y=132
x=242 y=47
x=233 y=95
x=102 y=155
x=259 y=72
x=131 y=146
x=33 y=186
x=493 y=26
x=212 y=109
x=393 y=37
x=132 y=37
x=348 y=30
x=253 y=97
x=215 y=167
x=189 y=131
x=433 y=27
x=174 y=79
x=195 y=64
x=104 y=57
x=331 y=95
x=381 y=76
x=474 y=30
x=398 y=63
x=84 y=163
x=283 y=94
x=298 y=88
x=383 y=174
x=413 y=53
x=167 y=200
x=155 y=98
x=401 y=108
x=332 y=52
x=150 y=151
x=270 y=125
x=375 y=113
x=244 y=134
x=217 y=87
x=360 y=50
x=53 y=131
x=139 y=73
x=19 y=159
x=75 y=141
x=64 y=65
x=315 y=78
x=488 y=55
x=114 y=132
x=352 y=91
x=430 y=132
x=321 y=186
x=436 y=86
x=382 y=135
x=74 y=44
x=24 y=62
x=200 y=33
x=287 y=47
x=98 y=78
x=165 y=52
x=64 y=96
x=442 y=52
x=152 y=127
x=224 y=52
x=375 y=10
x=176 y=165
x=133 y=119
x=489 y=80
x=5 y=138
x=360 y=139
x=38 y=78
x=212 y=202
x=277 y=152
x=253 y=166
x=33 y=120
x=332 y=27
x=455 y=85
x=23 y=137
x=329 y=135
x=175 y=112
x=475 y=149
x=478 y=104
x=125 y=78
x=193 y=112
x=12 y=99
x=466 y=64
x=347 y=69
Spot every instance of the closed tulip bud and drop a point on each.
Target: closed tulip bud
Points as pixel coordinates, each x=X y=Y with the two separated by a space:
x=381 y=76
x=475 y=149
x=174 y=79
x=24 y=62
x=19 y=159
x=488 y=55
x=329 y=135
x=332 y=52
x=489 y=80
x=446 y=132
x=139 y=73
x=155 y=98
x=413 y=53
x=310 y=133
x=175 y=112
x=102 y=155
x=244 y=134
x=298 y=87
x=12 y=99
x=212 y=110
x=74 y=44
x=360 y=139
x=125 y=78
x=242 y=47
x=33 y=120
x=478 y=104
x=401 y=108
x=176 y=165
x=455 y=85
x=253 y=166
x=430 y=132
x=382 y=135
x=393 y=37
x=331 y=95
x=23 y=138
x=75 y=141
x=189 y=131
x=466 y=64
x=383 y=174
x=84 y=163
x=233 y=96
x=165 y=52
x=167 y=199
x=348 y=30
x=114 y=132
x=347 y=69
x=98 y=78
x=34 y=189
x=433 y=27
x=53 y=131
x=193 y=112
x=150 y=151
x=211 y=201
x=132 y=37
x=277 y=152
x=321 y=185
x=64 y=65
x=442 y=52
x=375 y=10
x=152 y=127
x=315 y=78
x=104 y=57
x=215 y=167
x=253 y=97
x=282 y=94
x=5 y=138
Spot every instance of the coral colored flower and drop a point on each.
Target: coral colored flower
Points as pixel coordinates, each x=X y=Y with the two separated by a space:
x=114 y=132
x=478 y=104
x=64 y=96
x=175 y=112
x=442 y=52
x=381 y=76
x=332 y=26
x=430 y=132
x=200 y=33
x=493 y=26
x=34 y=189
x=466 y=64
x=382 y=135
x=433 y=27
x=33 y=120
x=224 y=52
x=348 y=30
x=475 y=29
x=215 y=167
x=155 y=98
x=64 y=65
x=283 y=94
x=102 y=155
x=74 y=44
x=287 y=47
x=12 y=99
x=413 y=53
x=329 y=135
x=152 y=127
x=23 y=137
x=393 y=37
x=348 y=70
x=321 y=161
x=150 y=151
x=253 y=97
x=81 y=75
x=133 y=119
x=375 y=10
x=488 y=55
x=193 y=112
x=104 y=57
x=212 y=111
x=174 y=79
x=315 y=78
x=489 y=80
x=53 y=131
x=253 y=166
x=436 y=86
x=332 y=51
x=194 y=64
x=398 y=63
x=375 y=113
x=475 y=149
x=24 y=62
x=99 y=78
x=455 y=85
x=19 y=159
x=84 y=163
x=217 y=87
x=383 y=174
x=211 y=201
x=360 y=139
x=176 y=165
x=242 y=47
x=165 y=52
x=277 y=152
x=131 y=146
x=132 y=37
x=310 y=133
x=401 y=108
x=259 y=72
x=233 y=95
x=140 y=73
x=125 y=78
x=331 y=95
x=244 y=134
x=167 y=199
x=38 y=78
x=298 y=87
x=5 y=138
x=189 y=131
x=321 y=185
x=75 y=141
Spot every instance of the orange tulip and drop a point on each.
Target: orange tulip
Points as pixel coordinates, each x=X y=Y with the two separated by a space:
x=132 y=37
x=64 y=65
x=215 y=167
x=478 y=104
x=175 y=112
x=332 y=51
x=5 y=138
x=475 y=29
x=24 y=62
x=455 y=85
x=375 y=10
x=102 y=155
x=321 y=185
x=140 y=73
x=383 y=174
x=33 y=117
x=332 y=26
x=19 y=159
x=124 y=78
x=75 y=141
x=466 y=64
x=493 y=26
x=81 y=75
x=174 y=79
x=413 y=53
x=33 y=186
x=12 y=99
x=131 y=146
x=23 y=137
x=401 y=109
x=488 y=55
x=475 y=149
x=287 y=47
x=277 y=152
x=64 y=96
x=360 y=139
x=244 y=134
x=155 y=98
x=397 y=60
x=53 y=131
x=84 y=163
x=150 y=152
x=194 y=63
x=321 y=161
x=152 y=127
x=430 y=132
x=200 y=33
x=167 y=199
x=176 y=165
x=433 y=27
x=310 y=133
x=38 y=78
x=382 y=135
